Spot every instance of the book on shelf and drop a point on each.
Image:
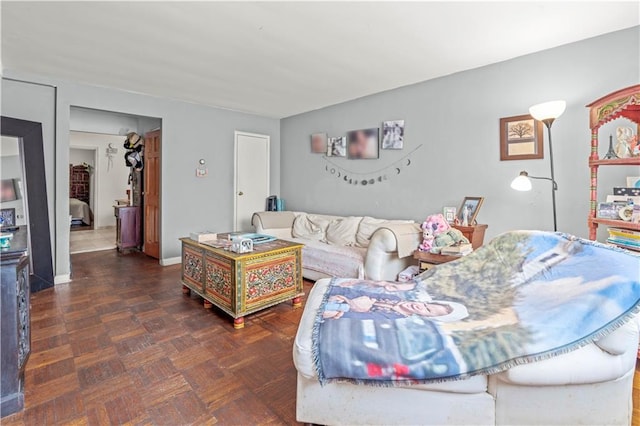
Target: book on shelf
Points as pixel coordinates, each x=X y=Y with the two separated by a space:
x=624 y=233
x=624 y=244
x=627 y=241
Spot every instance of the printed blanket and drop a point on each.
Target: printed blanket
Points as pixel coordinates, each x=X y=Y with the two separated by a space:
x=524 y=297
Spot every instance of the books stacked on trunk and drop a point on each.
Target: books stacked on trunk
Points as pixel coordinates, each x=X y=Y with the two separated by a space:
x=624 y=238
x=461 y=249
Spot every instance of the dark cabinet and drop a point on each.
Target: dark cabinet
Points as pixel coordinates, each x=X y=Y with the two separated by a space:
x=127 y=227
x=15 y=331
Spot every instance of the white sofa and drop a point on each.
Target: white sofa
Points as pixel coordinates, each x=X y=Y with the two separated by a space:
x=350 y=247
x=592 y=385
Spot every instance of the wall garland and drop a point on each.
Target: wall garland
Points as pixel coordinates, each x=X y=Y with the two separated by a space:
x=369 y=178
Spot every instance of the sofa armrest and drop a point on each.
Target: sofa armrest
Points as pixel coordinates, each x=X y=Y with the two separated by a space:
x=277 y=224
x=383 y=260
x=403 y=238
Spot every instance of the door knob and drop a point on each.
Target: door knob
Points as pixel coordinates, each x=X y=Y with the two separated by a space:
x=240 y=193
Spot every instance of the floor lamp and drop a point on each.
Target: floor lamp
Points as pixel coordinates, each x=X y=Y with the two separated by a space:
x=547 y=113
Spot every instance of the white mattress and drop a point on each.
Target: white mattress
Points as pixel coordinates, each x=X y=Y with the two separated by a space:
x=303 y=352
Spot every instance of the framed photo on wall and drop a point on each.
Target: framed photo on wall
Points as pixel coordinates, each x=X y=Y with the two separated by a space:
x=337 y=147
x=470 y=207
x=521 y=138
x=319 y=143
x=393 y=134
x=363 y=144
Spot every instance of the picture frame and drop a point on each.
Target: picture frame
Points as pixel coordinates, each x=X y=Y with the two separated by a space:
x=319 y=143
x=337 y=147
x=392 y=134
x=363 y=144
x=449 y=214
x=473 y=205
x=8 y=216
x=521 y=138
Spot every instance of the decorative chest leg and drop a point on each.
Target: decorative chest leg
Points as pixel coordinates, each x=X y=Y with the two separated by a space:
x=297 y=302
x=207 y=304
x=238 y=323
x=186 y=290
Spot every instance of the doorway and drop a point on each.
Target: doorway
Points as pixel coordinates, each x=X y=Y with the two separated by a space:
x=98 y=177
x=82 y=185
x=107 y=132
x=251 y=187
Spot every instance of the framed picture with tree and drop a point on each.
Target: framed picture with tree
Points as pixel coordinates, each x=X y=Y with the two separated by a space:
x=521 y=138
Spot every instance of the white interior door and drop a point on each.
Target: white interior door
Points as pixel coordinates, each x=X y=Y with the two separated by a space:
x=252 y=177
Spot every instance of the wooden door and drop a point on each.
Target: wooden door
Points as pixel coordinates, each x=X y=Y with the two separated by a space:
x=252 y=177
x=151 y=194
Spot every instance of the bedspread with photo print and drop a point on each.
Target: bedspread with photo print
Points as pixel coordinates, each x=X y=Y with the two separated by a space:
x=523 y=297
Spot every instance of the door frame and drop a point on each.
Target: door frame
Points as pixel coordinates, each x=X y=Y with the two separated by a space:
x=235 y=169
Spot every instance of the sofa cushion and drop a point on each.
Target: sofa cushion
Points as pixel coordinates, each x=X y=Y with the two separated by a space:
x=310 y=227
x=369 y=225
x=335 y=261
x=342 y=232
x=303 y=350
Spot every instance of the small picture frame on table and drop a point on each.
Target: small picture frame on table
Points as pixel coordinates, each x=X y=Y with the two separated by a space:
x=469 y=208
x=449 y=214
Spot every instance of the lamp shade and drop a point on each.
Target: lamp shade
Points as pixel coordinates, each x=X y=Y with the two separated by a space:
x=522 y=182
x=548 y=110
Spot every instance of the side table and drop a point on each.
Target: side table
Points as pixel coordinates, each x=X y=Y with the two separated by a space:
x=428 y=260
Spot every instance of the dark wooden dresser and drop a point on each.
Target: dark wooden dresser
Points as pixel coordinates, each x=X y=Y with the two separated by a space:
x=15 y=331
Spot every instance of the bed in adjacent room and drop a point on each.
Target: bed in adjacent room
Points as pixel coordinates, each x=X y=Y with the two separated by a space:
x=80 y=212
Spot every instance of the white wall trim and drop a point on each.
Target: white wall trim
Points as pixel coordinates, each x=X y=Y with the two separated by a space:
x=61 y=279
x=171 y=261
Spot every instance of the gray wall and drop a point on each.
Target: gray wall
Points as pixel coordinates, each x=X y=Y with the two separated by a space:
x=189 y=132
x=455 y=118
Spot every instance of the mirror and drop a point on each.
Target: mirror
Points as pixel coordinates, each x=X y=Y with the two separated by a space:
x=25 y=191
x=12 y=206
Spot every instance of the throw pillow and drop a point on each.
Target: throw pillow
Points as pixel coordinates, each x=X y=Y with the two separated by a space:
x=310 y=227
x=342 y=232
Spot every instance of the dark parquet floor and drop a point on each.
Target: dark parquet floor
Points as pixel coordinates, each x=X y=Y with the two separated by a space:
x=121 y=344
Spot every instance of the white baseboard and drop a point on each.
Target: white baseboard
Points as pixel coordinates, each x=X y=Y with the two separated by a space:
x=60 y=279
x=171 y=261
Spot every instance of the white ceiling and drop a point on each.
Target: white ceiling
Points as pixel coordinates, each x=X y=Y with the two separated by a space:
x=283 y=58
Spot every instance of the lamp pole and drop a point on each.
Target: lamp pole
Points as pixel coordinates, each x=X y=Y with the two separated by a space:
x=554 y=187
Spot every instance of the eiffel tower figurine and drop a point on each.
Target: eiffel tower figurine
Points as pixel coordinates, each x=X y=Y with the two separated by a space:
x=611 y=154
